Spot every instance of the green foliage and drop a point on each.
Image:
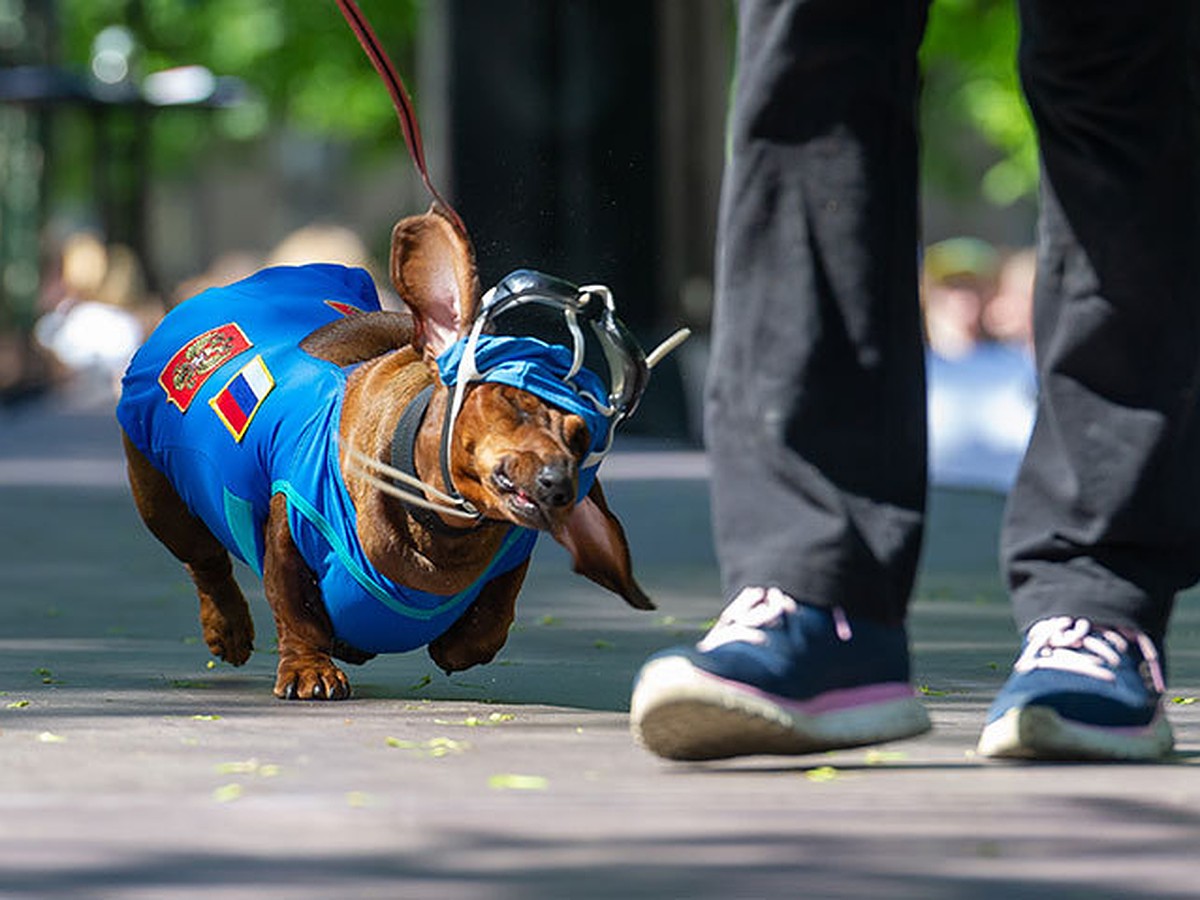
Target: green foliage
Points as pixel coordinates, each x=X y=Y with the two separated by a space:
x=306 y=72
x=302 y=64
x=971 y=97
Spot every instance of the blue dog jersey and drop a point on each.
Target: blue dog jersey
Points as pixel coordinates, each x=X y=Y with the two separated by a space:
x=223 y=401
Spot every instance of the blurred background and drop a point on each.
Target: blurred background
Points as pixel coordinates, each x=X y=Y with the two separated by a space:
x=150 y=148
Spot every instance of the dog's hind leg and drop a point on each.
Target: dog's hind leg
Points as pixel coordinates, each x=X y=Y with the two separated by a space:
x=224 y=613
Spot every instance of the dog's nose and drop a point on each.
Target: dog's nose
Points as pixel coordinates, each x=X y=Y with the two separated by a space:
x=555 y=484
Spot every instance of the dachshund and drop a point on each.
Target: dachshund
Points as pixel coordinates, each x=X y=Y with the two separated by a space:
x=285 y=419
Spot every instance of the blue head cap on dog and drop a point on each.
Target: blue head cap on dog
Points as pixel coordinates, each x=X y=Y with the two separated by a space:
x=559 y=342
x=542 y=369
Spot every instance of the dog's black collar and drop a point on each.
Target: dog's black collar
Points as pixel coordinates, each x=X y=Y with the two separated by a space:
x=404 y=441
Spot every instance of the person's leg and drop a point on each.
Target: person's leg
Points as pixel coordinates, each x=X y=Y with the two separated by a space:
x=815 y=414
x=1103 y=524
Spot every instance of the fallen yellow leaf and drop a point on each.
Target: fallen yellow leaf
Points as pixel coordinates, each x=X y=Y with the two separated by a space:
x=821 y=773
x=438 y=746
x=227 y=793
x=513 y=782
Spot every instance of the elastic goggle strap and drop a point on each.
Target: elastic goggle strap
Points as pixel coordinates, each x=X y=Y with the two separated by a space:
x=467 y=372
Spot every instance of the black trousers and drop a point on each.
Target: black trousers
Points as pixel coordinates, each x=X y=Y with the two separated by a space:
x=815 y=415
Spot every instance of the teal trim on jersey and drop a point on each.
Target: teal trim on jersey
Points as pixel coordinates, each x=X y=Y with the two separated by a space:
x=239 y=516
x=318 y=521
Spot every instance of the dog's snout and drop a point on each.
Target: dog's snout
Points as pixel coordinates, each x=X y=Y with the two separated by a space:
x=555 y=484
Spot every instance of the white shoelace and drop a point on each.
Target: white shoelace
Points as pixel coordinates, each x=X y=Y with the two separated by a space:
x=754 y=609
x=1074 y=645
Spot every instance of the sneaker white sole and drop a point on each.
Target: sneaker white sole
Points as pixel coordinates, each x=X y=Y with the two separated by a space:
x=681 y=712
x=1038 y=732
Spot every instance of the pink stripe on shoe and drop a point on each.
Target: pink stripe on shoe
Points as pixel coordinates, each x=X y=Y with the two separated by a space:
x=831 y=701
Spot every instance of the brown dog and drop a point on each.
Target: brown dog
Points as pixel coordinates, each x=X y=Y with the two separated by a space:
x=514 y=458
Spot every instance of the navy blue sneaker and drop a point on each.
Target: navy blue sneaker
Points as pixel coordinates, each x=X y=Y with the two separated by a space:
x=774 y=676
x=1079 y=691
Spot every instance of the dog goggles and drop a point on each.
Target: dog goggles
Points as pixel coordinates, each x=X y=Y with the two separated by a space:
x=583 y=320
x=561 y=343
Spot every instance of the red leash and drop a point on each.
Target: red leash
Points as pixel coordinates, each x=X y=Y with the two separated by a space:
x=400 y=99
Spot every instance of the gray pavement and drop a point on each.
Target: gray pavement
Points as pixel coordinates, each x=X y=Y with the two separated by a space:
x=131 y=768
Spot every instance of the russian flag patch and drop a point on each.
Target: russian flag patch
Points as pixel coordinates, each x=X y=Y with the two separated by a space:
x=237 y=402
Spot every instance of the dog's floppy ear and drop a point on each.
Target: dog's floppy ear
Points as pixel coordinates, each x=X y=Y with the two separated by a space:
x=433 y=271
x=599 y=550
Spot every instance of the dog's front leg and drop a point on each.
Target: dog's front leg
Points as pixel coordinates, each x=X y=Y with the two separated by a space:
x=306 y=671
x=478 y=636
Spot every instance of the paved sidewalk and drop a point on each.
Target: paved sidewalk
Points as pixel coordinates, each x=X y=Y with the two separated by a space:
x=130 y=768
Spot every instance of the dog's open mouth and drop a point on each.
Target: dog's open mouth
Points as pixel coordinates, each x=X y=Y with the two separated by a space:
x=521 y=504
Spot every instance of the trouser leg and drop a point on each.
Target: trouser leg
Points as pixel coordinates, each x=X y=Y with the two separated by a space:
x=815 y=417
x=1104 y=520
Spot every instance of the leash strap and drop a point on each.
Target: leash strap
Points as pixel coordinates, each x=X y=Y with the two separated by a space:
x=400 y=100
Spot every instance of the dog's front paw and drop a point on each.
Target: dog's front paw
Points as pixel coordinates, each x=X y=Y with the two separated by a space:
x=310 y=677
x=229 y=643
x=228 y=632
